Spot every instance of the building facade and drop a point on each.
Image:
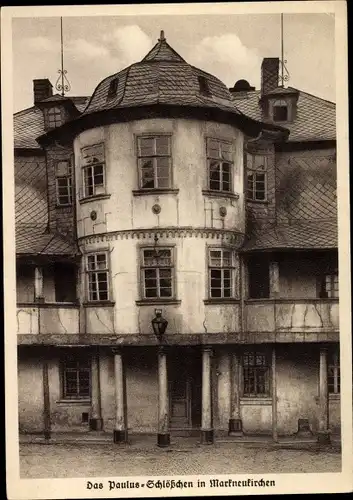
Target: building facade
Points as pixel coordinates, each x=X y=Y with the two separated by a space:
x=177 y=263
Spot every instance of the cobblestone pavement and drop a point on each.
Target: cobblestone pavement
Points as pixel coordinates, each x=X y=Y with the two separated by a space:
x=109 y=460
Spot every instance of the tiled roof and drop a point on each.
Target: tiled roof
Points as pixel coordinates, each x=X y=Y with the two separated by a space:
x=315 y=121
x=162 y=77
x=35 y=240
x=300 y=235
x=29 y=123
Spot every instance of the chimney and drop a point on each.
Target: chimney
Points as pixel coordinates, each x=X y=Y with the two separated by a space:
x=42 y=89
x=269 y=74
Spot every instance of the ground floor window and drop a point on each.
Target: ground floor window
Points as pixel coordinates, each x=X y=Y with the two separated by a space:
x=256 y=374
x=334 y=383
x=76 y=377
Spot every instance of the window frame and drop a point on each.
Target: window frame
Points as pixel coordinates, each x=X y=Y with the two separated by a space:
x=140 y=158
x=231 y=268
x=68 y=186
x=280 y=103
x=210 y=158
x=143 y=268
x=268 y=382
x=52 y=114
x=95 y=271
x=91 y=164
x=253 y=170
x=333 y=291
x=333 y=366
x=77 y=359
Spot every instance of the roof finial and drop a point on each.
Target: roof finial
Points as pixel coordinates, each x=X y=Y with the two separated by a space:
x=161 y=38
x=62 y=83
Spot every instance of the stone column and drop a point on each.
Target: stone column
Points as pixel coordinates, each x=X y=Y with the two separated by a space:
x=235 y=423
x=324 y=432
x=46 y=399
x=120 y=430
x=38 y=284
x=274 y=396
x=207 y=434
x=163 y=438
x=96 y=421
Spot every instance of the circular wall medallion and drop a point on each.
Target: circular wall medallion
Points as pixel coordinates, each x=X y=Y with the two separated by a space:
x=222 y=211
x=93 y=215
x=156 y=209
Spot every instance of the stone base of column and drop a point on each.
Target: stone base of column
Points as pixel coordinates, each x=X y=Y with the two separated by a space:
x=235 y=427
x=163 y=440
x=303 y=428
x=324 y=437
x=120 y=436
x=95 y=424
x=207 y=436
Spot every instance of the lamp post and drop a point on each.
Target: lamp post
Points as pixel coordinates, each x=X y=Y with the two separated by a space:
x=159 y=324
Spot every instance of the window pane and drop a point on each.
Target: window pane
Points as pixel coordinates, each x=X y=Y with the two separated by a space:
x=93 y=154
x=91 y=262
x=259 y=162
x=226 y=151
x=84 y=384
x=215 y=258
x=162 y=145
x=62 y=169
x=146 y=146
x=215 y=175
x=213 y=150
x=147 y=174
x=101 y=261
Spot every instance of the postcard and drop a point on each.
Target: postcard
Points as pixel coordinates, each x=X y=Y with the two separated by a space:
x=177 y=272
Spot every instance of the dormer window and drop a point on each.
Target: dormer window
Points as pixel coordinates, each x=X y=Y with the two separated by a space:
x=280 y=111
x=54 y=117
x=203 y=86
x=113 y=88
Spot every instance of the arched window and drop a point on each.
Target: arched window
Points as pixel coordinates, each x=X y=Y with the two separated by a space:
x=280 y=110
x=54 y=117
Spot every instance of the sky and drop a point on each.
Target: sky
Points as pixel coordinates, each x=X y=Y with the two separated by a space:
x=230 y=47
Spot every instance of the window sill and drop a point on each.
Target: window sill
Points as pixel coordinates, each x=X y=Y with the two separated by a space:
x=99 y=303
x=95 y=197
x=67 y=205
x=159 y=302
x=208 y=302
x=331 y=397
x=155 y=192
x=261 y=202
x=220 y=194
x=83 y=401
x=48 y=304
x=260 y=401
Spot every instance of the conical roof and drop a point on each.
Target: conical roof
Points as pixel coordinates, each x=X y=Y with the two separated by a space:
x=161 y=77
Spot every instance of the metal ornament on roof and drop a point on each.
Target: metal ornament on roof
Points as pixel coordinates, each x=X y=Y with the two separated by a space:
x=284 y=73
x=62 y=84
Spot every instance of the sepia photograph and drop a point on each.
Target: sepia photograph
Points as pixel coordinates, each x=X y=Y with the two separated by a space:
x=175 y=323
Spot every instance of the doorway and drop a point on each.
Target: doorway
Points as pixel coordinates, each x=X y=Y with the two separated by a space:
x=185 y=378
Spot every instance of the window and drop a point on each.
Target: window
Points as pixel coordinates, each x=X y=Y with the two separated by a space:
x=331 y=286
x=154 y=162
x=258 y=277
x=65 y=275
x=256 y=375
x=76 y=380
x=219 y=159
x=157 y=273
x=280 y=111
x=203 y=85
x=113 y=88
x=63 y=179
x=54 y=117
x=93 y=170
x=98 y=274
x=256 y=178
x=221 y=270
x=334 y=383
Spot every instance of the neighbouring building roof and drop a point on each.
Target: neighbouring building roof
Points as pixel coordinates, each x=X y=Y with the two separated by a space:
x=29 y=123
x=315 y=121
x=36 y=240
x=300 y=235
